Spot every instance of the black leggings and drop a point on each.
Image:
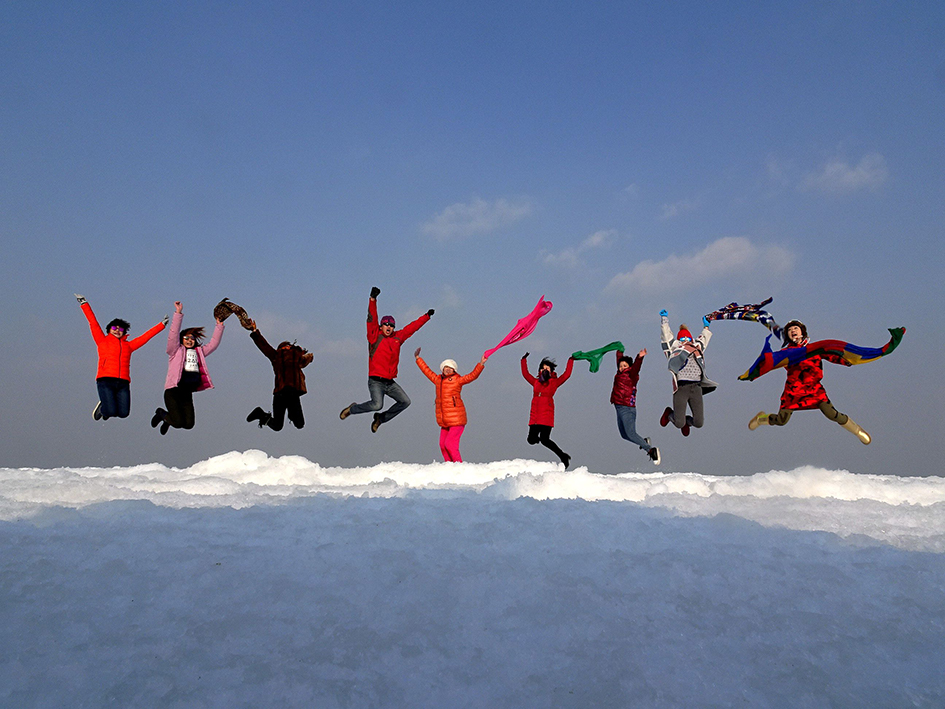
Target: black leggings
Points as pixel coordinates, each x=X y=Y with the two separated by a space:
x=826 y=408
x=180 y=407
x=286 y=401
x=542 y=434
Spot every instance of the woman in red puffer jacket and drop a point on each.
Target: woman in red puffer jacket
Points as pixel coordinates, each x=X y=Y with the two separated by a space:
x=542 y=417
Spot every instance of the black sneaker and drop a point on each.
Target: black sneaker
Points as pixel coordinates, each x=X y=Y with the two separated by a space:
x=159 y=415
x=376 y=424
x=566 y=459
x=97 y=411
x=654 y=454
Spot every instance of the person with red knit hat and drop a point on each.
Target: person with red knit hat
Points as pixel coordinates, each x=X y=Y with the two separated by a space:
x=687 y=366
x=384 y=343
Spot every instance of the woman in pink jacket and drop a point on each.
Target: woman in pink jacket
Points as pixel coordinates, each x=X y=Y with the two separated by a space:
x=186 y=372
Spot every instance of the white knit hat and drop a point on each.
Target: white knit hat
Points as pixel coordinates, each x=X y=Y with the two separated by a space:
x=448 y=363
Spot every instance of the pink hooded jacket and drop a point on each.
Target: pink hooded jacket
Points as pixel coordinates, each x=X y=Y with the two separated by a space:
x=176 y=353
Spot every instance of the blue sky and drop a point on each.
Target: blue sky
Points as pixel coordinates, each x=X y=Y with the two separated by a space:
x=617 y=158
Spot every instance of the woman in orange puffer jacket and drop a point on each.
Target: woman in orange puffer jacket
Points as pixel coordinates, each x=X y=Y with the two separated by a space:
x=113 y=377
x=450 y=410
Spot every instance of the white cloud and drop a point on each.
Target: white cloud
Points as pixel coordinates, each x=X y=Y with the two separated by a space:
x=461 y=220
x=669 y=211
x=728 y=257
x=838 y=177
x=571 y=257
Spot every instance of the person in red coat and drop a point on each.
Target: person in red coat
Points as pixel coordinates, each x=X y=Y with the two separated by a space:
x=542 y=416
x=803 y=390
x=113 y=378
x=288 y=361
x=384 y=342
x=624 y=398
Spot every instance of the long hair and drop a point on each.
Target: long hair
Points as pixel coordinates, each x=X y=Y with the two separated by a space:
x=197 y=332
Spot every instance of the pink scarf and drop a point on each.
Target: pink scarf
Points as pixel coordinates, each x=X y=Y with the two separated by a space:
x=524 y=327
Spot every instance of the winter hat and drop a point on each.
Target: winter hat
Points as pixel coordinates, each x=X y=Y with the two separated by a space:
x=448 y=363
x=388 y=320
x=683 y=332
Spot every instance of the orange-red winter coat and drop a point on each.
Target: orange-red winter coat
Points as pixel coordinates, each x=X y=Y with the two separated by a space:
x=450 y=410
x=543 y=394
x=114 y=353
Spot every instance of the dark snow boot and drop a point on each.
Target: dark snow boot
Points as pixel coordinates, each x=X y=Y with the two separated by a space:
x=566 y=459
x=258 y=414
x=376 y=424
x=346 y=411
x=164 y=427
x=159 y=415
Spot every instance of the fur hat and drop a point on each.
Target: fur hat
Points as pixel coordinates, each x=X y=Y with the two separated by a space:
x=388 y=320
x=448 y=363
x=683 y=332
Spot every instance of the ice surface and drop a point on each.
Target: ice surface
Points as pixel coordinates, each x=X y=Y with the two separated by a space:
x=246 y=580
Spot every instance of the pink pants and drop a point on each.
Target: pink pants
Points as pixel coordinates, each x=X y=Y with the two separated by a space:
x=449 y=443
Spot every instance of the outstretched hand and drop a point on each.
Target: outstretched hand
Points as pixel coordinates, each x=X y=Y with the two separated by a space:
x=80 y=298
x=525 y=356
x=483 y=360
x=178 y=306
x=375 y=291
x=664 y=314
x=430 y=312
x=416 y=353
x=165 y=320
x=252 y=325
x=641 y=353
x=705 y=321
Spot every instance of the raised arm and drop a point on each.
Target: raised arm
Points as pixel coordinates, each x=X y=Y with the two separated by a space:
x=414 y=326
x=215 y=339
x=429 y=373
x=373 y=327
x=525 y=373
x=262 y=344
x=567 y=372
x=97 y=333
x=473 y=375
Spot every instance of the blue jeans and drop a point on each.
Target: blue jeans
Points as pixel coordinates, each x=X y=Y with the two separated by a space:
x=115 y=395
x=627 y=425
x=378 y=388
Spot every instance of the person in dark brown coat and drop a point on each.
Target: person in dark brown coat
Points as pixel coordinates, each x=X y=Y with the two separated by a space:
x=287 y=360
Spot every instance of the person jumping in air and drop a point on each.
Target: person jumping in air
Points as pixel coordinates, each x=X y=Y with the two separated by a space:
x=542 y=415
x=687 y=367
x=113 y=378
x=186 y=372
x=624 y=399
x=803 y=390
x=384 y=344
x=448 y=405
x=287 y=360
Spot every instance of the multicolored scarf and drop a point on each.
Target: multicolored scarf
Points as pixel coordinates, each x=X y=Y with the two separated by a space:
x=525 y=326
x=752 y=313
x=853 y=354
x=595 y=356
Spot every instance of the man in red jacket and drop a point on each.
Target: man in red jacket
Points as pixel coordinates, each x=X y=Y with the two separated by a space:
x=383 y=357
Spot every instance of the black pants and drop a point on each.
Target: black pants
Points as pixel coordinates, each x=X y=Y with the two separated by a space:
x=287 y=400
x=179 y=402
x=542 y=434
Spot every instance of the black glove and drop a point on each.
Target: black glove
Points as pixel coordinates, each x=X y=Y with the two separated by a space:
x=525 y=356
x=430 y=312
x=80 y=298
x=375 y=291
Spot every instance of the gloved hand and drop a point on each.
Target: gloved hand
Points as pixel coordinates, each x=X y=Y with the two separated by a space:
x=375 y=291
x=416 y=353
x=664 y=314
x=80 y=298
x=165 y=320
x=525 y=356
x=430 y=312
x=705 y=321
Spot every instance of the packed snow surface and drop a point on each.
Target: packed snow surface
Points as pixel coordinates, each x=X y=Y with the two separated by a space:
x=246 y=580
